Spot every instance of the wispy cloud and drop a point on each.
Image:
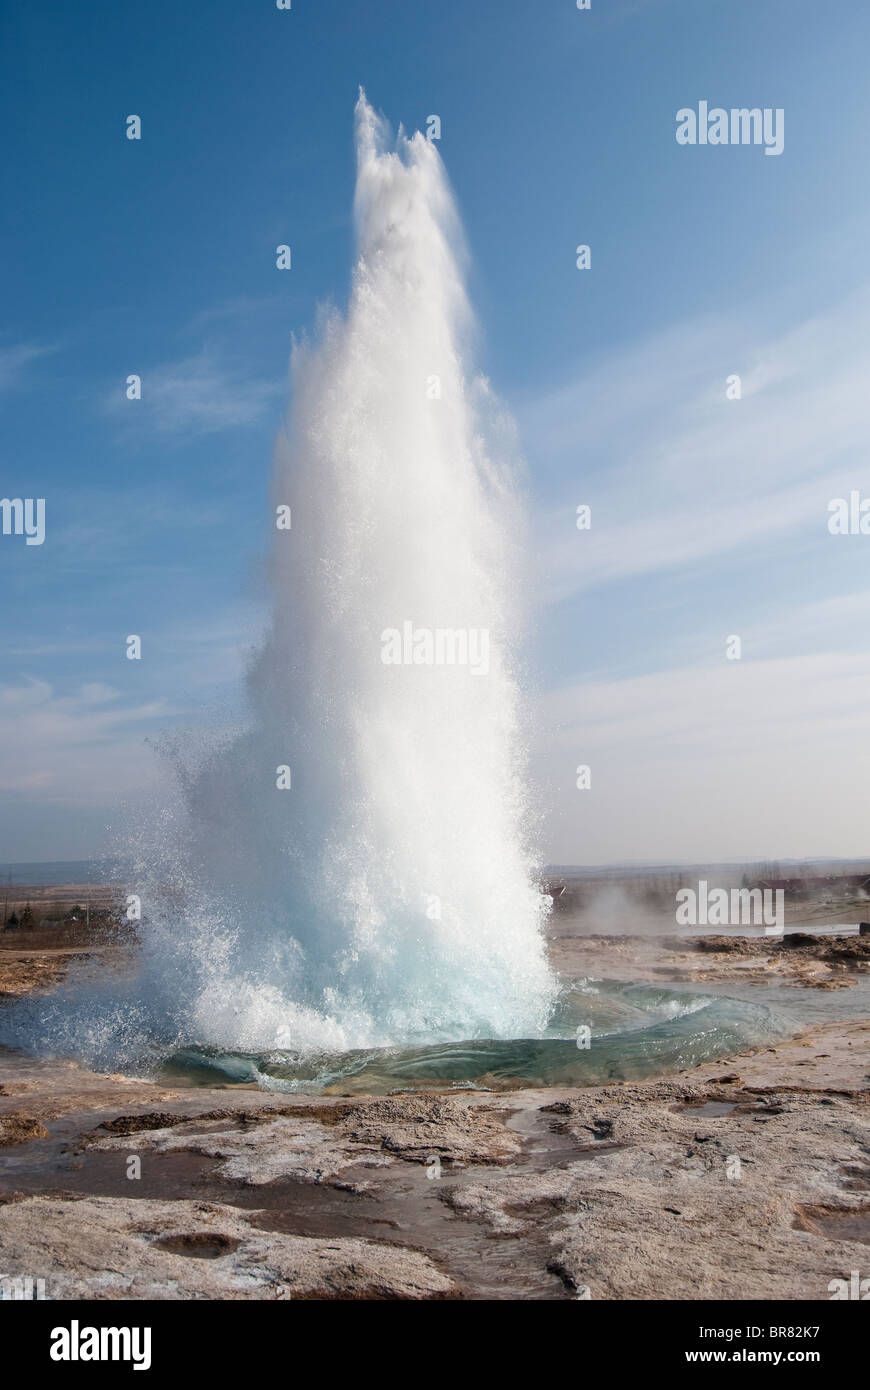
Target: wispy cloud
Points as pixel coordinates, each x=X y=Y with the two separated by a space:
x=701 y=757
x=240 y=309
x=677 y=474
x=83 y=747
x=202 y=394
x=15 y=360
x=736 y=759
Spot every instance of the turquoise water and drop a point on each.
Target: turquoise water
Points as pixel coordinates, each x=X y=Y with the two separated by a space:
x=636 y=1031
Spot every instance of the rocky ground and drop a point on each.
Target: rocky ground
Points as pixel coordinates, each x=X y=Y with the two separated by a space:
x=28 y=970
x=801 y=959
x=745 y=1178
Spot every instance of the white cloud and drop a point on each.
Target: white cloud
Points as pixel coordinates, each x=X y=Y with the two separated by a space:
x=83 y=748
x=15 y=360
x=743 y=759
x=202 y=394
x=677 y=474
x=765 y=757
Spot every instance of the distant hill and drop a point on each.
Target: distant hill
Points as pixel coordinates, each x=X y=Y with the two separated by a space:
x=58 y=871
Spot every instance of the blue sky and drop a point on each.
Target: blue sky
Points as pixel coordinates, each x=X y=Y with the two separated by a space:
x=709 y=517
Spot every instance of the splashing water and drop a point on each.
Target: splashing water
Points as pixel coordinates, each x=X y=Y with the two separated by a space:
x=388 y=895
x=375 y=921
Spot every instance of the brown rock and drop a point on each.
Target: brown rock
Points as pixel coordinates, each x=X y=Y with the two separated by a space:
x=17 y=1128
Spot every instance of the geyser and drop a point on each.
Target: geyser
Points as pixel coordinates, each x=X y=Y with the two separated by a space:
x=387 y=895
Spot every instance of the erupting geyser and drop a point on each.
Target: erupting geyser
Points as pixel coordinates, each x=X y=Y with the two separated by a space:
x=387 y=896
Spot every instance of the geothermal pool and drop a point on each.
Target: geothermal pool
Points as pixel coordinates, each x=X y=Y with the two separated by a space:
x=635 y=1031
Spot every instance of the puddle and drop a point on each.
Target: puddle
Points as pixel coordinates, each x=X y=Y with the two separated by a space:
x=397 y=1204
x=708 y=1110
x=856 y=1177
x=199 y=1245
x=547 y=1146
x=834 y=1223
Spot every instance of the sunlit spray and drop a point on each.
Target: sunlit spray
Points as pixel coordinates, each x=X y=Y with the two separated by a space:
x=310 y=848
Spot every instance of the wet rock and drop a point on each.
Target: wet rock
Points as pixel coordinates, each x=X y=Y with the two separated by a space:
x=114 y=1248
x=313 y=1143
x=415 y=1127
x=134 y=1124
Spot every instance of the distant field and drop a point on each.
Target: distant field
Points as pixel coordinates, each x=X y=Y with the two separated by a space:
x=51 y=905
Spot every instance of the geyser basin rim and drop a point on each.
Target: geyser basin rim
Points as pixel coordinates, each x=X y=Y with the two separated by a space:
x=700 y=1029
